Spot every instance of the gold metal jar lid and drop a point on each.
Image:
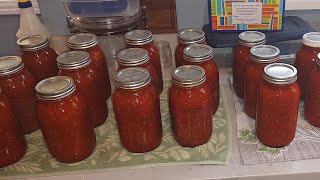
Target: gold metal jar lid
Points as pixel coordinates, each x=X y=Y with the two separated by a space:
x=188 y=76
x=264 y=54
x=191 y=36
x=252 y=38
x=280 y=73
x=10 y=65
x=138 y=37
x=55 y=88
x=198 y=53
x=82 y=41
x=132 y=78
x=133 y=57
x=33 y=43
x=73 y=60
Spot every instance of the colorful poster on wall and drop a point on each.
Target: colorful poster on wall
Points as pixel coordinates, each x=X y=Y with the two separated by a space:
x=244 y=15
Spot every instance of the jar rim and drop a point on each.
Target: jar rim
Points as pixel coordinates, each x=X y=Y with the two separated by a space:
x=73 y=60
x=280 y=73
x=10 y=65
x=188 y=76
x=311 y=39
x=82 y=41
x=55 y=88
x=191 y=36
x=133 y=57
x=33 y=43
x=252 y=38
x=198 y=53
x=264 y=54
x=138 y=37
x=132 y=78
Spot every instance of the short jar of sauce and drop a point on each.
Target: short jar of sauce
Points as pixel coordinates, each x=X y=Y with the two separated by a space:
x=138 y=57
x=260 y=56
x=64 y=119
x=312 y=100
x=241 y=58
x=18 y=85
x=202 y=55
x=144 y=39
x=190 y=104
x=89 y=42
x=277 y=105
x=13 y=144
x=137 y=110
x=187 y=37
x=90 y=82
x=306 y=59
x=37 y=55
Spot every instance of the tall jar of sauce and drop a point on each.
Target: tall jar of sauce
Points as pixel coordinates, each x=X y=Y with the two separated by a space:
x=90 y=82
x=89 y=42
x=202 y=55
x=187 y=37
x=306 y=59
x=277 y=105
x=144 y=39
x=137 y=110
x=13 y=143
x=18 y=85
x=312 y=100
x=241 y=58
x=260 y=56
x=64 y=119
x=138 y=57
x=190 y=103
x=37 y=55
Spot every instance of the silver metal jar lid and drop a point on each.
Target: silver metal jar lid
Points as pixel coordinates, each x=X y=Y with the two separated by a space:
x=264 y=54
x=133 y=57
x=252 y=38
x=311 y=39
x=280 y=73
x=82 y=41
x=138 y=37
x=197 y=53
x=132 y=78
x=188 y=76
x=73 y=60
x=10 y=65
x=33 y=43
x=191 y=36
x=55 y=88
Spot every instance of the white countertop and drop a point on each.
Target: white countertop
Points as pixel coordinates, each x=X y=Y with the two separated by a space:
x=307 y=169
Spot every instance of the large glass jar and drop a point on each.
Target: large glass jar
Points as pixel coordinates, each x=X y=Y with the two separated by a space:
x=190 y=104
x=89 y=81
x=277 y=105
x=241 y=57
x=13 y=144
x=144 y=39
x=187 y=37
x=202 y=55
x=260 y=56
x=38 y=57
x=18 y=84
x=312 y=100
x=138 y=57
x=306 y=59
x=64 y=119
x=137 y=110
x=89 y=43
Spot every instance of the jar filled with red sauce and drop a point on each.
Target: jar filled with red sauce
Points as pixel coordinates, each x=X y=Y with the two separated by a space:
x=312 y=100
x=90 y=82
x=39 y=58
x=306 y=59
x=137 y=110
x=277 y=105
x=138 y=57
x=89 y=43
x=18 y=85
x=190 y=104
x=187 y=37
x=260 y=56
x=64 y=119
x=202 y=55
x=241 y=58
x=13 y=144
x=144 y=39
